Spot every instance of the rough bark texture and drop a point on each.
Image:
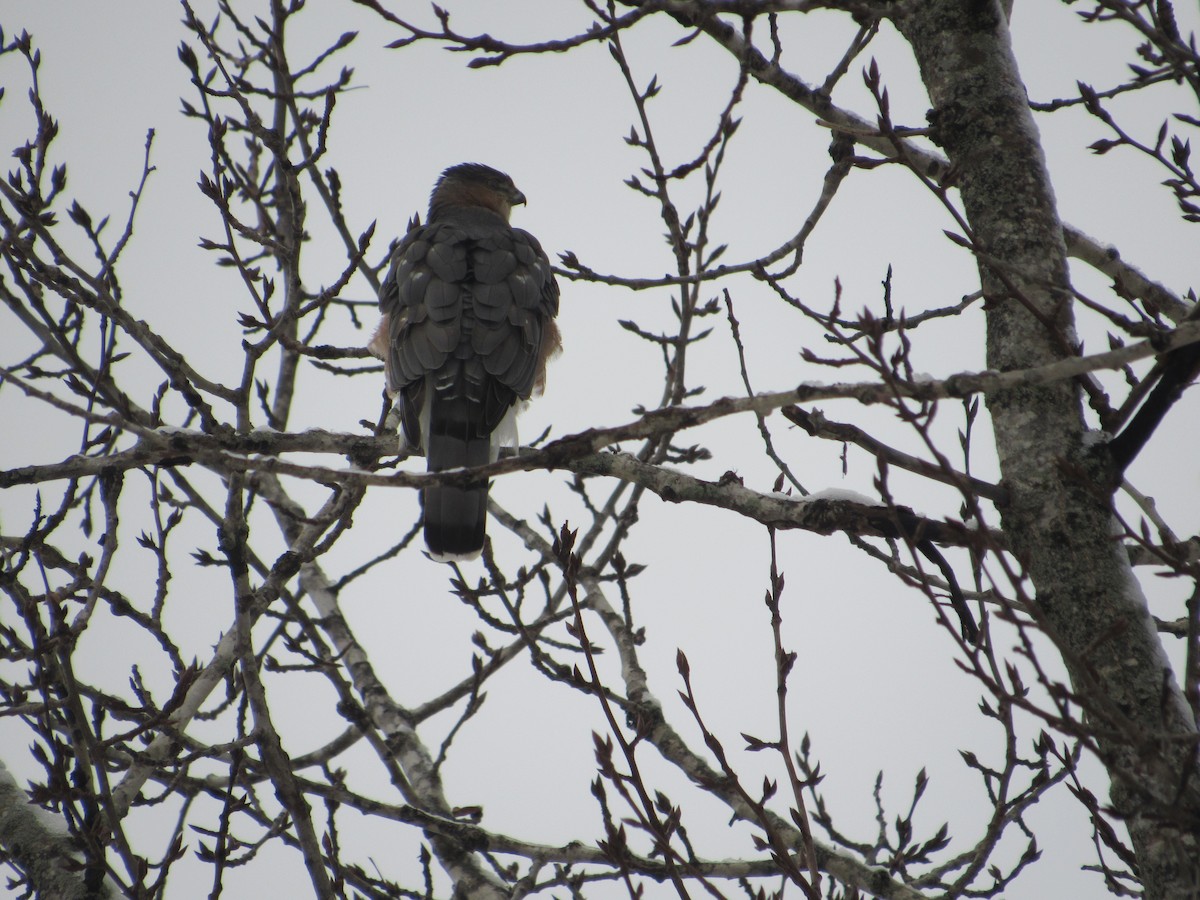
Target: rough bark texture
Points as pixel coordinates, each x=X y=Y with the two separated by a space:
x=46 y=857
x=1059 y=519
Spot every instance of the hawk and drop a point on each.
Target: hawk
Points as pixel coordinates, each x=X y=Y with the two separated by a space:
x=468 y=307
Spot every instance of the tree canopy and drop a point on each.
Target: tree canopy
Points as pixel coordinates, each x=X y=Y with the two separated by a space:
x=852 y=550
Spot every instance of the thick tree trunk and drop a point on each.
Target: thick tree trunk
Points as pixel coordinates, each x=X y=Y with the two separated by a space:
x=1059 y=520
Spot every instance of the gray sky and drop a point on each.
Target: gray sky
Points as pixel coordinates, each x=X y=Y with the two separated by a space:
x=869 y=653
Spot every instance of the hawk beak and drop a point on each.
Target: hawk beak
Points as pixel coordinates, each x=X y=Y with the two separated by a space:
x=517 y=198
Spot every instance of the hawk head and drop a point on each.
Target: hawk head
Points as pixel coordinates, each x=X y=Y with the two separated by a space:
x=474 y=184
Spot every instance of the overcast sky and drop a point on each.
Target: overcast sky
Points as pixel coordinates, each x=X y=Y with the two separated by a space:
x=869 y=652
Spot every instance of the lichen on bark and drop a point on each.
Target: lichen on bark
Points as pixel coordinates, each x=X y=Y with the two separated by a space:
x=1059 y=517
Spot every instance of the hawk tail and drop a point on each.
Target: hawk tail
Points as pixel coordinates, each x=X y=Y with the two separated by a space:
x=455 y=515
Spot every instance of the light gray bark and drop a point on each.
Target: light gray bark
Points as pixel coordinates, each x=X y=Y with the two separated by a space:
x=1059 y=520
x=42 y=852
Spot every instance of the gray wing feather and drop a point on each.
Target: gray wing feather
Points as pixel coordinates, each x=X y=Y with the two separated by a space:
x=467 y=299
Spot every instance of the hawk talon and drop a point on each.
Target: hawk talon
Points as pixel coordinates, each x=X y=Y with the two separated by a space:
x=391 y=422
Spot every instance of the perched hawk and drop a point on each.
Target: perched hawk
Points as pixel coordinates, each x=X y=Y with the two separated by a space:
x=468 y=323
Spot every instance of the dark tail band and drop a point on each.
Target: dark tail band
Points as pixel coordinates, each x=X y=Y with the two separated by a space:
x=455 y=517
